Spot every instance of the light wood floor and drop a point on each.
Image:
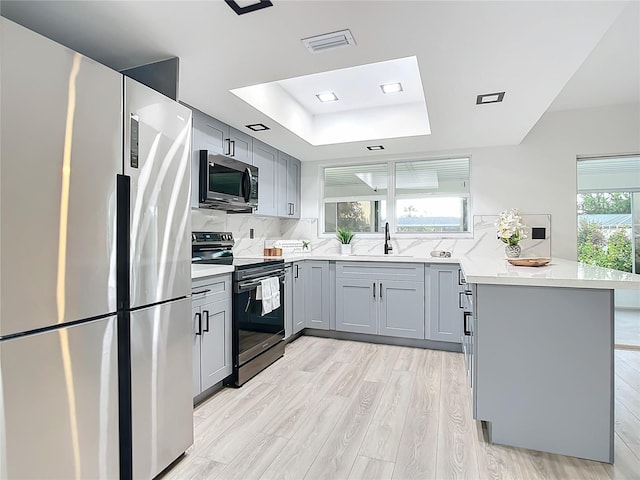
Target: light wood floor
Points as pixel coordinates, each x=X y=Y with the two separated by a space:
x=627 y=327
x=346 y=410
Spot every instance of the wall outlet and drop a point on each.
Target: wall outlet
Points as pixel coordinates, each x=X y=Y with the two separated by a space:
x=538 y=233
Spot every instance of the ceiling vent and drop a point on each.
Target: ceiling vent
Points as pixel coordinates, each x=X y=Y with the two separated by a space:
x=329 y=41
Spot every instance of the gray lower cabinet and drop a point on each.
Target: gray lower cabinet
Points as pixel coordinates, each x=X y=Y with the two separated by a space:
x=401 y=309
x=544 y=368
x=317 y=296
x=356 y=306
x=299 y=314
x=380 y=298
x=211 y=319
x=288 y=300
x=445 y=313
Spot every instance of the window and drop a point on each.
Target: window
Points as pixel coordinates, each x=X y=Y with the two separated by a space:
x=426 y=196
x=355 y=197
x=608 y=208
x=432 y=196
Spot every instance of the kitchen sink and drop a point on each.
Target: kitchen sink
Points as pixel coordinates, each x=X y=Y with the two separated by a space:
x=381 y=255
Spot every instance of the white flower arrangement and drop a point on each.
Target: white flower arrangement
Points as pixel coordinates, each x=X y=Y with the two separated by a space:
x=510 y=227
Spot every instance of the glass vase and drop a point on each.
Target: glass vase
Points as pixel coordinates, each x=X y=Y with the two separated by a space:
x=512 y=251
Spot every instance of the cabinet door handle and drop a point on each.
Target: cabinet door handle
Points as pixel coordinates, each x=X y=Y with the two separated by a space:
x=380 y=289
x=206 y=329
x=374 y=289
x=461 y=280
x=465 y=326
x=297 y=271
x=228 y=142
x=233 y=148
x=460 y=299
x=201 y=292
x=199 y=317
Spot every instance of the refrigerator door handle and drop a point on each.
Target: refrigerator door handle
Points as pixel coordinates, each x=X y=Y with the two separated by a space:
x=199 y=317
x=206 y=312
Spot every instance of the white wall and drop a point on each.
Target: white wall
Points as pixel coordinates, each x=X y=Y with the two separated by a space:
x=538 y=176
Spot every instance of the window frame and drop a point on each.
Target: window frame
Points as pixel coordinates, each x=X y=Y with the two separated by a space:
x=391 y=199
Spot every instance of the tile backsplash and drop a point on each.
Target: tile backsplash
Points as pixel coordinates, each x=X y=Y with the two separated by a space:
x=484 y=241
x=240 y=224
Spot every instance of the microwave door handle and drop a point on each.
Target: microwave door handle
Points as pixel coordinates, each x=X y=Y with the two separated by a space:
x=246 y=185
x=204 y=176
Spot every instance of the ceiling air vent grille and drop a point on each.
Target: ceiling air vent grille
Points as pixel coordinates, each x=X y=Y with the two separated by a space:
x=329 y=41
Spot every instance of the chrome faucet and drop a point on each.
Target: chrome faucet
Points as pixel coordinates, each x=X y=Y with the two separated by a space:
x=387 y=238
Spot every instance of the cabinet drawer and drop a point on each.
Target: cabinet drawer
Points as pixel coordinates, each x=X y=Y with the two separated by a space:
x=381 y=271
x=210 y=289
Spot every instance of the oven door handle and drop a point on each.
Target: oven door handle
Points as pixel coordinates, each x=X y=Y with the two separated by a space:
x=252 y=284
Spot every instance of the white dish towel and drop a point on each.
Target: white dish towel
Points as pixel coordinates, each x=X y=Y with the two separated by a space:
x=270 y=294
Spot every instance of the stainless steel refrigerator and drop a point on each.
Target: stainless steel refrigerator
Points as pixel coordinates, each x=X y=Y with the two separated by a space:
x=95 y=334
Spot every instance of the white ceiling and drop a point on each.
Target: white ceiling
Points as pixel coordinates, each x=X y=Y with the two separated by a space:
x=361 y=112
x=529 y=49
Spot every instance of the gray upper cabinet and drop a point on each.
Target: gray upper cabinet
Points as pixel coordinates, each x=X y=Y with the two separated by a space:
x=293 y=188
x=446 y=316
x=380 y=298
x=209 y=133
x=299 y=313
x=288 y=186
x=265 y=158
x=278 y=172
x=281 y=187
x=317 y=294
x=240 y=146
x=218 y=137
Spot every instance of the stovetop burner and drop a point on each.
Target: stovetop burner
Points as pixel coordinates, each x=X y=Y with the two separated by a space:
x=217 y=248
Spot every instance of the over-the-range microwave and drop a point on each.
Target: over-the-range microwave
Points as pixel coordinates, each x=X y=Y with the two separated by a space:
x=227 y=184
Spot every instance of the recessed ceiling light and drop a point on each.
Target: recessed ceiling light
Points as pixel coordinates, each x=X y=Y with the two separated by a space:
x=257 y=127
x=375 y=147
x=391 y=87
x=327 y=97
x=246 y=6
x=489 y=98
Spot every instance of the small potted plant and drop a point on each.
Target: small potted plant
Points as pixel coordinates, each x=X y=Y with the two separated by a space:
x=344 y=235
x=511 y=230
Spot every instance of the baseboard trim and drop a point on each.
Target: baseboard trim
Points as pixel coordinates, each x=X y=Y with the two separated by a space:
x=385 y=340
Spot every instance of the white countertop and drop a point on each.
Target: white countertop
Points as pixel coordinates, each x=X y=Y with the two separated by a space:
x=201 y=271
x=558 y=273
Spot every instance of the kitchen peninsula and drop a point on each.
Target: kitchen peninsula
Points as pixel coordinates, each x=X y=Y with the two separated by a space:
x=540 y=351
